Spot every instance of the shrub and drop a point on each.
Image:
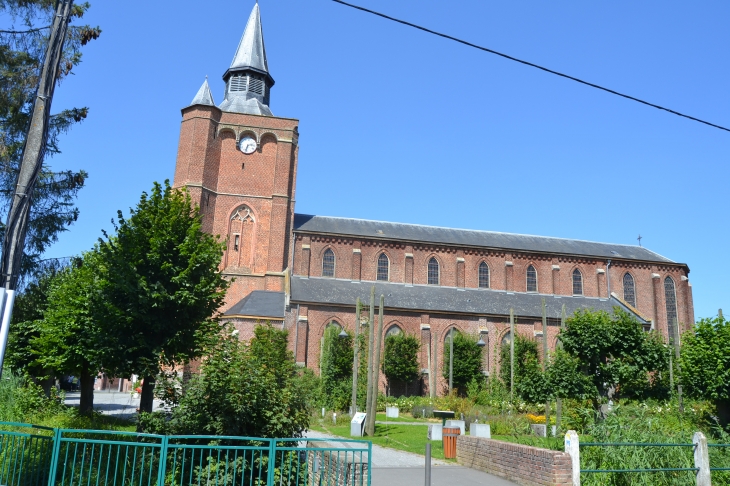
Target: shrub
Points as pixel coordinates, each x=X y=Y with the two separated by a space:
x=400 y=359
x=336 y=363
x=467 y=361
x=705 y=359
x=243 y=390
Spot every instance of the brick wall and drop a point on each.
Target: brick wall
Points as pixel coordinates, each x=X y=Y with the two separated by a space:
x=356 y=259
x=522 y=464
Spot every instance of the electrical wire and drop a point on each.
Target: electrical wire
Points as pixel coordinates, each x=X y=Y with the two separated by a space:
x=527 y=63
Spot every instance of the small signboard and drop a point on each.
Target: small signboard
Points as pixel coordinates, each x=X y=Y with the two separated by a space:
x=357 y=424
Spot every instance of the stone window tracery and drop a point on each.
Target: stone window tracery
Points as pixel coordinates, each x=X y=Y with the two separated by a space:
x=670 y=298
x=241 y=231
x=629 y=289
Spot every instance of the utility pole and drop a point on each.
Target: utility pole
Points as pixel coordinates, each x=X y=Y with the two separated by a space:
x=511 y=355
x=679 y=369
x=371 y=331
x=356 y=355
x=376 y=369
x=559 y=401
x=544 y=364
x=33 y=153
x=451 y=361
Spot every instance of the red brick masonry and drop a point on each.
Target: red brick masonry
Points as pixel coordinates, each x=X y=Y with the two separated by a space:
x=523 y=464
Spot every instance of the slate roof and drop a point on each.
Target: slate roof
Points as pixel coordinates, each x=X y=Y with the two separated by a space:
x=317 y=290
x=470 y=238
x=259 y=303
x=203 y=96
x=251 y=52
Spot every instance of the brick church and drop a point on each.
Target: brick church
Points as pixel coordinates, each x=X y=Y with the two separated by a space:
x=304 y=272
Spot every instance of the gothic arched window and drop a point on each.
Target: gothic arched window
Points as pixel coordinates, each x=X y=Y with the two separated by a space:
x=433 y=271
x=383 y=267
x=393 y=330
x=629 y=290
x=507 y=338
x=483 y=275
x=531 y=279
x=577 y=282
x=670 y=298
x=328 y=263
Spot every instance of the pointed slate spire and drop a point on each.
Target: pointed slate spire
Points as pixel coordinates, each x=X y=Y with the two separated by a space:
x=248 y=82
x=204 y=96
x=251 y=52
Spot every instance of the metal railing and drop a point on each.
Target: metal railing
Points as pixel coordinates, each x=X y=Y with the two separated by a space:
x=640 y=470
x=26 y=452
x=699 y=463
x=70 y=457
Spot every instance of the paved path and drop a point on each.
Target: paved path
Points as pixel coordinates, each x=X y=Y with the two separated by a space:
x=391 y=467
x=118 y=404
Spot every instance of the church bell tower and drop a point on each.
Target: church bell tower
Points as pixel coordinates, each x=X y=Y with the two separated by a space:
x=239 y=162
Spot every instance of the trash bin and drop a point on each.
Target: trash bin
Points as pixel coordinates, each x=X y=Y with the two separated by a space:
x=450 y=435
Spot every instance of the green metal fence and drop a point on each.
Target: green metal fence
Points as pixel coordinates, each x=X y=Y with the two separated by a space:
x=65 y=457
x=25 y=454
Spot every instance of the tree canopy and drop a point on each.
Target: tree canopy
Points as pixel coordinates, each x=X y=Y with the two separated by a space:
x=705 y=363
x=467 y=360
x=616 y=353
x=400 y=359
x=162 y=284
x=23 y=38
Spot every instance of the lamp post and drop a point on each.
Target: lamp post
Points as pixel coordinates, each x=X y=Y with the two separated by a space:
x=451 y=360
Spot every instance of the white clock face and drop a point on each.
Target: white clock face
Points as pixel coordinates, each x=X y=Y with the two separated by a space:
x=247 y=145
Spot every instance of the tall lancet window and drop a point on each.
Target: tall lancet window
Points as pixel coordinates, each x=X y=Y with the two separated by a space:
x=531 y=276
x=577 y=282
x=629 y=290
x=433 y=271
x=483 y=275
x=241 y=235
x=670 y=299
x=383 y=267
x=328 y=263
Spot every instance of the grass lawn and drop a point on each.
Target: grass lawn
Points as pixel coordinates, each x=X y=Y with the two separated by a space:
x=409 y=438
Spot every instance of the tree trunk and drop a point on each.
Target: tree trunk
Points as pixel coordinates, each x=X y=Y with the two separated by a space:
x=723 y=412
x=86 y=385
x=148 y=394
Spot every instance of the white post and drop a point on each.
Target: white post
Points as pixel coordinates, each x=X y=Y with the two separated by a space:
x=572 y=447
x=702 y=459
x=7 y=313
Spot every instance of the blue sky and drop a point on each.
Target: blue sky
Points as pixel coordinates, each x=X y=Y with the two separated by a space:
x=402 y=126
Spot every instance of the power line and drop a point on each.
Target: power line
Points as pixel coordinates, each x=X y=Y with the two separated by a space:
x=542 y=68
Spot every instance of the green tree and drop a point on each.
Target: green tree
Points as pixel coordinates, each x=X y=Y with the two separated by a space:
x=400 y=359
x=616 y=353
x=563 y=378
x=30 y=305
x=162 y=285
x=242 y=390
x=530 y=383
x=467 y=361
x=70 y=338
x=336 y=362
x=23 y=38
x=705 y=360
